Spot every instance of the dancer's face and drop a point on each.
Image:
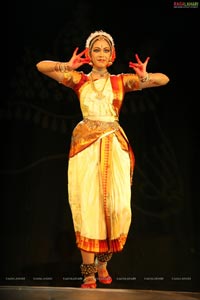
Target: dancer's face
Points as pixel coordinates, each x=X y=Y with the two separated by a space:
x=100 y=53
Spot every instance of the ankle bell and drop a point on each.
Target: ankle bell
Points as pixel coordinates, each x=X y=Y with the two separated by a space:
x=104 y=257
x=88 y=269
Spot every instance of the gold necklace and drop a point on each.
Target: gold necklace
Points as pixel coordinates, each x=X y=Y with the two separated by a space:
x=100 y=73
x=99 y=93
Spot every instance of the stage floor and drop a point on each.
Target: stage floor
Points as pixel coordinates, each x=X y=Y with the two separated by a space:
x=67 y=293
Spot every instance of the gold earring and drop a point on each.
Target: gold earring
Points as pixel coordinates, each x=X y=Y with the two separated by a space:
x=110 y=63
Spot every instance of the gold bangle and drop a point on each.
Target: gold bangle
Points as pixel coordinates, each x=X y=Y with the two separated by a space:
x=145 y=78
x=62 y=67
x=56 y=68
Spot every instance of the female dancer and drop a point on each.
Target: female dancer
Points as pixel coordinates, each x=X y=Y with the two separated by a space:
x=101 y=160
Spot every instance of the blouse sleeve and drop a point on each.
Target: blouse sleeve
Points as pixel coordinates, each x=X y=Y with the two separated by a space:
x=71 y=79
x=131 y=82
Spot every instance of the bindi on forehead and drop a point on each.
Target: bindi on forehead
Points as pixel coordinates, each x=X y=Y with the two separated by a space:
x=101 y=47
x=101 y=44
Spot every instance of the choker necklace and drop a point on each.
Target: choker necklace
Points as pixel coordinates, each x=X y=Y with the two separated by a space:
x=100 y=73
x=99 y=93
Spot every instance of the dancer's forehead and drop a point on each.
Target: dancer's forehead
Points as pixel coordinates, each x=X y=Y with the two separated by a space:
x=100 y=43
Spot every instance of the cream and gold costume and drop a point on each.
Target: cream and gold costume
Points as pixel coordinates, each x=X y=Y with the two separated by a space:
x=101 y=164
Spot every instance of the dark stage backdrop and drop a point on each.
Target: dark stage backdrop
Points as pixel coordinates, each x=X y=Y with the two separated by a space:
x=37 y=118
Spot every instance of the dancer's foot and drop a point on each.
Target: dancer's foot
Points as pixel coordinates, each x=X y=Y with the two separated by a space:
x=89 y=282
x=103 y=275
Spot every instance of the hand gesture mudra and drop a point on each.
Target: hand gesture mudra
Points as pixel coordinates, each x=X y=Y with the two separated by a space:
x=139 y=67
x=78 y=60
